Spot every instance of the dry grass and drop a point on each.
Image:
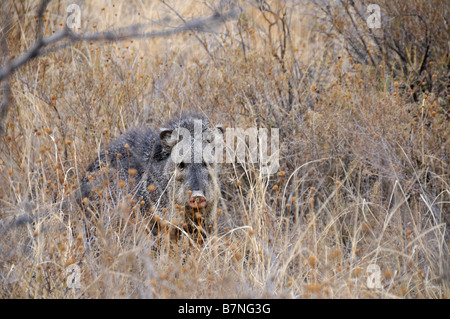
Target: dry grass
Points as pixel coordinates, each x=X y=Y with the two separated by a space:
x=364 y=175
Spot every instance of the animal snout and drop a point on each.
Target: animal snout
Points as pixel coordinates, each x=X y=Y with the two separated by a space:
x=197 y=200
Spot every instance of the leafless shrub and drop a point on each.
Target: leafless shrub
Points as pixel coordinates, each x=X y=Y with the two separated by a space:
x=410 y=46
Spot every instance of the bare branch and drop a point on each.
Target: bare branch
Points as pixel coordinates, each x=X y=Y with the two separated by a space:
x=4 y=51
x=66 y=38
x=40 y=14
x=131 y=32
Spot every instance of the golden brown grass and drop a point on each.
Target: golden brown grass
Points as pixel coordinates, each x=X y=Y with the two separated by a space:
x=364 y=175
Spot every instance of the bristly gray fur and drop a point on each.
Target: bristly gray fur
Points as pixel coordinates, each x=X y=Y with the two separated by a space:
x=155 y=178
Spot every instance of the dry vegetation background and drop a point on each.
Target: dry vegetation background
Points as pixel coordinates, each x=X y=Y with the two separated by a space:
x=364 y=167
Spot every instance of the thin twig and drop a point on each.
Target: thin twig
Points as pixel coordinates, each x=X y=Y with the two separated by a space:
x=40 y=15
x=4 y=51
x=193 y=30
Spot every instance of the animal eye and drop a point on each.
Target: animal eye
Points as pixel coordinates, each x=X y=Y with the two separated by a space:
x=181 y=165
x=204 y=164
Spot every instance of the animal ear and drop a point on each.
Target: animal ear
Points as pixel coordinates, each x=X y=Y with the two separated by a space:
x=219 y=127
x=167 y=140
x=164 y=133
x=212 y=134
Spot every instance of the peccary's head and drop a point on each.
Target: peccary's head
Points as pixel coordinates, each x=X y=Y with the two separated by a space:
x=192 y=166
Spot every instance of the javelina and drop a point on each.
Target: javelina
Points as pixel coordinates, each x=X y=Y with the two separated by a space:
x=169 y=173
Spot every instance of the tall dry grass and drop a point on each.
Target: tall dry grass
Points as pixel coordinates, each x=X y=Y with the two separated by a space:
x=364 y=166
